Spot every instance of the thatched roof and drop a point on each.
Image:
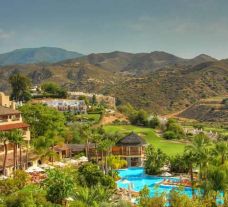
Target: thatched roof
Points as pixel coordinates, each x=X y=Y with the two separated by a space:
x=131 y=139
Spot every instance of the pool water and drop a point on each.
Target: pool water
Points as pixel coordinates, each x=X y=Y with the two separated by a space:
x=137 y=179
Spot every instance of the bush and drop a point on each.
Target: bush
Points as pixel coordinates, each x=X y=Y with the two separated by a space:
x=31 y=196
x=154 y=122
x=170 y=135
x=155 y=160
x=90 y=175
x=178 y=164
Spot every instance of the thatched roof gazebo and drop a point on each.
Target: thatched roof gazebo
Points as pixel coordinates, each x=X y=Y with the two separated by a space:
x=131 y=139
x=131 y=148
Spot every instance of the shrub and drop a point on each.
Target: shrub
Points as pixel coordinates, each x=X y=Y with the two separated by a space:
x=170 y=135
x=90 y=175
x=178 y=164
x=155 y=160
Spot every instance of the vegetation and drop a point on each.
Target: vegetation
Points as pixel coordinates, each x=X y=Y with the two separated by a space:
x=169 y=147
x=53 y=90
x=20 y=87
x=42 y=119
x=155 y=160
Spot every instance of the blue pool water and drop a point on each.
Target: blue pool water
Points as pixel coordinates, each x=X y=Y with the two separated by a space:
x=138 y=179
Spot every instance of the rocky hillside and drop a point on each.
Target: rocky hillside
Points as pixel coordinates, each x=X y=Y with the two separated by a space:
x=210 y=110
x=170 y=88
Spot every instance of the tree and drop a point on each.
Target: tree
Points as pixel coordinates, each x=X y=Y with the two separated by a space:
x=94 y=100
x=92 y=197
x=146 y=201
x=178 y=164
x=16 y=137
x=90 y=175
x=217 y=180
x=190 y=160
x=155 y=160
x=42 y=119
x=154 y=122
x=221 y=151
x=44 y=144
x=173 y=130
x=54 y=89
x=30 y=196
x=59 y=184
x=20 y=87
x=4 y=137
x=170 y=135
x=115 y=162
x=200 y=149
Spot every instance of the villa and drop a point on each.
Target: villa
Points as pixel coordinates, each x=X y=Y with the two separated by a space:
x=11 y=119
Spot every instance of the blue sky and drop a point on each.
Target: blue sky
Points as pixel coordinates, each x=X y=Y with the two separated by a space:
x=182 y=27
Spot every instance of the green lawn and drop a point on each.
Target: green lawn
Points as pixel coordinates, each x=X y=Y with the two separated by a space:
x=169 y=147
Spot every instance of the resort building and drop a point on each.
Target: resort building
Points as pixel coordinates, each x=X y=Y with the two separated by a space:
x=11 y=119
x=131 y=148
x=74 y=106
x=110 y=101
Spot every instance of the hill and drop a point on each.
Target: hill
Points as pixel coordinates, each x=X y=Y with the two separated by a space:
x=169 y=89
x=36 y=55
x=139 y=63
x=210 y=110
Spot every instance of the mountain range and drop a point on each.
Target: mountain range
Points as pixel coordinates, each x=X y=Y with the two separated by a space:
x=37 y=55
x=158 y=82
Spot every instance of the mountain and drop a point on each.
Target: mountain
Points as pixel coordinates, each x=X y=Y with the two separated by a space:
x=201 y=59
x=173 y=87
x=36 y=55
x=138 y=63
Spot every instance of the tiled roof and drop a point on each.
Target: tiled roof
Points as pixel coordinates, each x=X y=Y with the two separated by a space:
x=7 y=127
x=8 y=111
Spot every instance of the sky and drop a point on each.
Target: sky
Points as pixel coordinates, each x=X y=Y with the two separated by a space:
x=185 y=28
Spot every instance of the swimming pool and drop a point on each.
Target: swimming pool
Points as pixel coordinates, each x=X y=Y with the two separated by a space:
x=138 y=179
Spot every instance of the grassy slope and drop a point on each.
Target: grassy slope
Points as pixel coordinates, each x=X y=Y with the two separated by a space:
x=169 y=147
x=94 y=118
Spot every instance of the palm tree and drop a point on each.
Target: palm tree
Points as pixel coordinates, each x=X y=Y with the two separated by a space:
x=92 y=197
x=4 y=138
x=221 y=150
x=190 y=160
x=42 y=146
x=217 y=180
x=16 y=137
x=200 y=149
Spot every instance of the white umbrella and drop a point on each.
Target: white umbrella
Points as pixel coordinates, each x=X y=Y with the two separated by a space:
x=74 y=162
x=165 y=168
x=166 y=174
x=3 y=177
x=125 y=181
x=46 y=166
x=34 y=169
x=60 y=164
x=83 y=159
